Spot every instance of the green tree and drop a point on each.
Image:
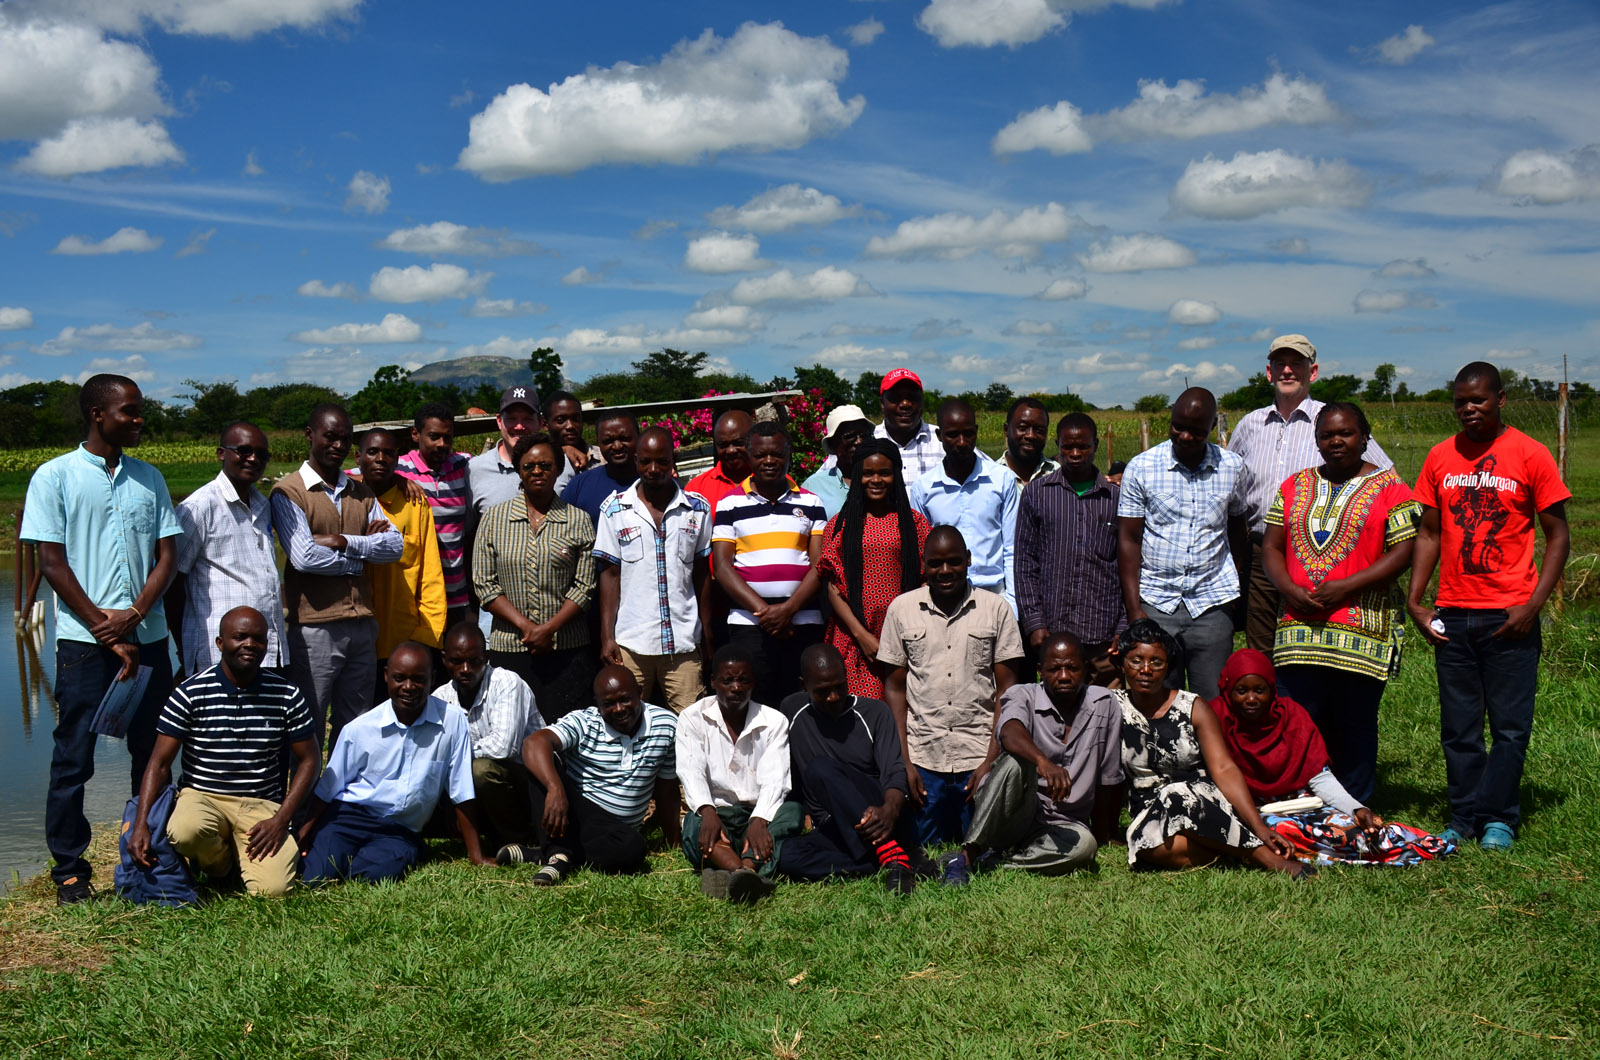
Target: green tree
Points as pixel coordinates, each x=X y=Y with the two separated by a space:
x=998 y=397
x=1068 y=402
x=1403 y=393
x=836 y=389
x=1336 y=388
x=1381 y=385
x=285 y=406
x=669 y=375
x=391 y=394
x=866 y=393
x=1153 y=403
x=1256 y=393
x=546 y=367
x=212 y=406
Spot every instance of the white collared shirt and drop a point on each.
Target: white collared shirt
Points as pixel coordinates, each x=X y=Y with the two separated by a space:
x=657 y=610
x=919 y=455
x=502 y=714
x=718 y=770
x=226 y=553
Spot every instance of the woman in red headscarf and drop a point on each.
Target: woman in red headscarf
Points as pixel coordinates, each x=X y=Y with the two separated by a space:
x=1285 y=765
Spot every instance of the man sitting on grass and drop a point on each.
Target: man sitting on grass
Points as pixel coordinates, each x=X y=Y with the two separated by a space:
x=733 y=759
x=615 y=756
x=1055 y=794
x=385 y=777
x=232 y=721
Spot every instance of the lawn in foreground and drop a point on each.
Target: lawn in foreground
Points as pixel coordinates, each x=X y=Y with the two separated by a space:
x=1477 y=956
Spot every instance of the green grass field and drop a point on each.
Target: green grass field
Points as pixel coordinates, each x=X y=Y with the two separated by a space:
x=1478 y=956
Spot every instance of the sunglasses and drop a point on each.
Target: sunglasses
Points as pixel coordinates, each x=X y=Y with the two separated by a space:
x=245 y=452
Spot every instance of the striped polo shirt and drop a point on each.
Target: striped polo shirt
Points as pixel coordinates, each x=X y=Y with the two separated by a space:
x=449 y=493
x=615 y=772
x=771 y=545
x=233 y=737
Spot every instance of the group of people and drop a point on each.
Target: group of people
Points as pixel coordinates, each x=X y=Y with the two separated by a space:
x=546 y=648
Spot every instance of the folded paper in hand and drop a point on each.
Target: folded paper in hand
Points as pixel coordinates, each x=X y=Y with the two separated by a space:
x=118 y=705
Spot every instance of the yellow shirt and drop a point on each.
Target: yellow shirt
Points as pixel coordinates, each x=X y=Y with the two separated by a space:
x=408 y=595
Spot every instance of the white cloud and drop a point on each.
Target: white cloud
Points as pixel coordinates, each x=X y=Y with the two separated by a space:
x=135 y=367
x=581 y=276
x=1031 y=327
x=844 y=330
x=827 y=284
x=52 y=73
x=762 y=89
x=1183 y=111
x=864 y=33
x=502 y=346
x=985 y=23
x=15 y=318
x=368 y=192
x=725 y=317
x=1135 y=253
x=446 y=239
x=782 y=208
x=636 y=339
x=1390 y=301
x=1264 y=182
x=1057 y=129
x=955 y=235
x=432 y=284
x=1292 y=245
x=1200 y=374
x=721 y=252
x=93 y=145
x=1063 y=290
x=1102 y=362
x=128 y=240
x=394 y=327
x=98 y=338
x=857 y=357
x=933 y=328
x=651 y=229
x=1199 y=342
x=505 y=307
x=1402 y=47
x=197 y=243
x=252 y=168
x=208 y=18
x=1548 y=179
x=1192 y=313
x=318 y=289
x=1260 y=335
x=1413 y=268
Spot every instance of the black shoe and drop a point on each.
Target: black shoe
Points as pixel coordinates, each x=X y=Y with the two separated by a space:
x=899 y=880
x=555 y=870
x=73 y=891
x=747 y=887
x=922 y=866
x=517 y=854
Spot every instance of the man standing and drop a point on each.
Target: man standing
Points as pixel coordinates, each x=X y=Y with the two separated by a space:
x=491 y=478
x=1027 y=427
x=1276 y=442
x=385 y=776
x=727 y=475
x=765 y=546
x=408 y=596
x=974 y=494
x=847 y=427
x=619 y=434
x=225 y=556
x=331 y=526
x=900 y=395
x=1481 y=493
x=232 y=721
x=1066 y=568
x=1055 y=795
x=104 y=525
x=953 y=650
x=847 y=767
x=651 y=551
x=442 y=473
x=564 y=413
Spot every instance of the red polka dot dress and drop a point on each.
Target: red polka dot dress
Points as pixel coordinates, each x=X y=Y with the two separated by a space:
x=880 y=561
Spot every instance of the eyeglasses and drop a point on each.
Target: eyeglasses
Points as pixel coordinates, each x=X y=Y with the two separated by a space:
x=1145 y=664
x=245 y=452
x=535 y=465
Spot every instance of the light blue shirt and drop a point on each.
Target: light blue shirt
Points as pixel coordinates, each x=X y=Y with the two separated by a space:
x=1185 y=511
x=399 y=771
x=110 y=524
x=829 y=486
x=984 y=509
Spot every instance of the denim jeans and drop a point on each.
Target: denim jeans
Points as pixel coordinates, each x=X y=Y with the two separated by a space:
x=83 y=673
x=1478 y=675
x=946 y=815
x=1344 y=707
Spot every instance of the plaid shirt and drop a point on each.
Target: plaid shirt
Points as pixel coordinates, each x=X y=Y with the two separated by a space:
x=920 y=455
x=537 y=573
x=657 y=610
x=227 y=555
x=450 y=496
x=1185 y=512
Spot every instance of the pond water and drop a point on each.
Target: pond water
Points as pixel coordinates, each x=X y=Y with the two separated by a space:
x=27 y=720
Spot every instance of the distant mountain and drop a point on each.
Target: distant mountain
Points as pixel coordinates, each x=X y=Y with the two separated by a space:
x=468 y=372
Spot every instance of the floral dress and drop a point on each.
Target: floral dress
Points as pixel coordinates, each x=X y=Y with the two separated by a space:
x=1169 y=790
x=880 y=583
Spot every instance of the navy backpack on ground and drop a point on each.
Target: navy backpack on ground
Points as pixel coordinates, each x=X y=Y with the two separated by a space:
x=168 y=882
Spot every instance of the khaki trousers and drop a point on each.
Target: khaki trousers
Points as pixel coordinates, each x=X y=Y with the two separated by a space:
x=676 y=677
x=1263 y=607
x=212 y=831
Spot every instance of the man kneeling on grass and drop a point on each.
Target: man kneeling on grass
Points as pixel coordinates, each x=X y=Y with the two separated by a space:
x=232 y=721
x=615 y=756
x=733 y=760
x=385 y=777
x=1055 y=793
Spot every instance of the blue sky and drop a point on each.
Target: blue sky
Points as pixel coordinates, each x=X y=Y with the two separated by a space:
x=1109 y=198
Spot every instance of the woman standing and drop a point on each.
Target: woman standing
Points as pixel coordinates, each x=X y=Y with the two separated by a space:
x=1337 y=537
x=1187 y=799
x=533 y=570
x=871 y=553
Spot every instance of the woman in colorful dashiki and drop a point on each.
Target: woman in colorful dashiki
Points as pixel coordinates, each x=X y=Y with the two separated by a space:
x=871 y=553
x=1285 y=765
x=1337 y=537
x=1187 y=799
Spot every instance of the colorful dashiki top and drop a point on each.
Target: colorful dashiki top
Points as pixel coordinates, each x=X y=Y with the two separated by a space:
x=1333 y=530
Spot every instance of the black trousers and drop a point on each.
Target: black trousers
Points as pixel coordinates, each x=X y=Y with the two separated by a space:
x=833 y=847
x=562 y=681
x=593 y=837
x=777 y=659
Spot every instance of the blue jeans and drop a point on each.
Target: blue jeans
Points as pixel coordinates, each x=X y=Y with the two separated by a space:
x=83 y=673
x=946 y=814
x=1478 y=675
x=355 y=843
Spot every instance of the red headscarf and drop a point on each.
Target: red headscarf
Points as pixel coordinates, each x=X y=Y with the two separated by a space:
x=1281 y=750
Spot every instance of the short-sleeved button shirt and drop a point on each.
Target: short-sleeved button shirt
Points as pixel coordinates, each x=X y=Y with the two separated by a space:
x=950 y=686
x=1185 y=512
x=1090 y=750
x=657 y=612
x=110 y=525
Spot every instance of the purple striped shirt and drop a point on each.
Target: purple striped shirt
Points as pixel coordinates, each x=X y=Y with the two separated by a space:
x=1066 y=559
x=450 y=496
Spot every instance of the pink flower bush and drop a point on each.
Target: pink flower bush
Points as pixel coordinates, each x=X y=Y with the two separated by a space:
x=806 y=423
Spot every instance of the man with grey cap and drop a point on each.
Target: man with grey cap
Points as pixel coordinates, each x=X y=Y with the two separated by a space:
x=1276 y=442
x=491 y=476
x=847 y=427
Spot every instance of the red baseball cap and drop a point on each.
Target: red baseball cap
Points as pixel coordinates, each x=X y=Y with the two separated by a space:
x=899 y=375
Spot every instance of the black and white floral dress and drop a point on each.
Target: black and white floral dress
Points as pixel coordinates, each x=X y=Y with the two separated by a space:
x=1169 y=789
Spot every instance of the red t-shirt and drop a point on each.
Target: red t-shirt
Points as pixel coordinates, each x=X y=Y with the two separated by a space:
x=1488 y=495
